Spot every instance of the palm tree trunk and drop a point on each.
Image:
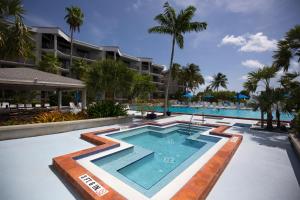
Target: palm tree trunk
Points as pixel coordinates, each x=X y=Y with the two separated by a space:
x=278 y=117
x=269 y=120
x=71 y=53
x=169 y=77
x=262 y=120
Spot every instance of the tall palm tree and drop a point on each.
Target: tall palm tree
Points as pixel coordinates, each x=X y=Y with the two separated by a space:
x=15 y=39
x=74 y=18
x=219 y=80
x=288 y=48
x=192 y=77
x=175 y=71
x=176 y=25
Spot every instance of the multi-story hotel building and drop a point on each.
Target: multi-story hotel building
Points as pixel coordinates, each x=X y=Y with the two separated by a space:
x=54 y=40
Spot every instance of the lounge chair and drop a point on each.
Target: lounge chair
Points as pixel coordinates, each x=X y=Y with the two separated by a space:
x=37 y=105
x=21 y=106
x=28 y=106
x=73 y=108
x=12 y=106
x=47 y=105
x=4 y=105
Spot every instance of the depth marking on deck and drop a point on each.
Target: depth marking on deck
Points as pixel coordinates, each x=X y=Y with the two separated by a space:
x=93 y=185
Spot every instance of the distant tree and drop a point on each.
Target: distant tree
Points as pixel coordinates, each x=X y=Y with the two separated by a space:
x=15 y=39
x=176 y=25
x=287 y=49
x=74 y=18
x=219 y=80
x=192 y=77
x=79 y=68
x=109 y=77
x=50 y=63
x=142 y=86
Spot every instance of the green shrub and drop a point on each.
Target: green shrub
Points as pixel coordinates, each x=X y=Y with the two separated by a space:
x=106 y=109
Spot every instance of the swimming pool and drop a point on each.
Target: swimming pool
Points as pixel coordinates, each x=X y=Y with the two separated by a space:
x=219 y=112
x=157 y=155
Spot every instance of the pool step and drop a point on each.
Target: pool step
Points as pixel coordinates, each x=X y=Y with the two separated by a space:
x=122 y=159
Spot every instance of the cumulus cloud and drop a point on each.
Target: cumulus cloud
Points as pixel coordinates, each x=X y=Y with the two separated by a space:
x=250 y=42
x=208 y=78
x=242 y=6
x=244 y=77
x=231 y=39
x=254 y=64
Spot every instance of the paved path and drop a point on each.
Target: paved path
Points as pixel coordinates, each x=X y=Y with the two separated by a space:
x=265 y=167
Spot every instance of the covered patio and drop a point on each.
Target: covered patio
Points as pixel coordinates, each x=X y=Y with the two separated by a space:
x=28 y=79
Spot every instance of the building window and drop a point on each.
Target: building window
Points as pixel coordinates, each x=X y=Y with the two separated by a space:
x=47 y=41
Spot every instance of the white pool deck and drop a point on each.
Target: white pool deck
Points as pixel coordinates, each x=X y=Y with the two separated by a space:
x=264 y=167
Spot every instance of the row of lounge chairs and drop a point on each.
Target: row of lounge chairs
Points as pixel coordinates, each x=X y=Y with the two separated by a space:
x=220 y=105
x=7 y=105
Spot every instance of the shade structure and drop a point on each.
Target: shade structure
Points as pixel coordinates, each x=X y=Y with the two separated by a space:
x=241 y=96
x=188 y=95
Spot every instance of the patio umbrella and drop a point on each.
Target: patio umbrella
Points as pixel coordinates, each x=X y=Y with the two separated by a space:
x=241 y=96
x=188 y=95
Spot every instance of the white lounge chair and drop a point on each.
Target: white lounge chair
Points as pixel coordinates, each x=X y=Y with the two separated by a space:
x=21 y=106
x=12 y=106
x=74 y=109
x=37 y=105
x=4 y=105
x=28 y=106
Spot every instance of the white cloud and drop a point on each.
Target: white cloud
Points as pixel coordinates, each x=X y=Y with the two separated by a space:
x=208 y=78
x=244 y=6
x=244 y=77
x=259 y=43
x=254 y=64
x=250 y=42
x=231 y=39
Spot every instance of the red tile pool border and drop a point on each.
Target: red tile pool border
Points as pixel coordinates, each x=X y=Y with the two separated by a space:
x=198 y=187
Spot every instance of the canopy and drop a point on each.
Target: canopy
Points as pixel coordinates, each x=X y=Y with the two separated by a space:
x=241 y=96
x=188 y=95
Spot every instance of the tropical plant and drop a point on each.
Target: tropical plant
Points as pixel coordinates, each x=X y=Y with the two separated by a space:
x=106 y=109
x=57 y=116
x=74 y=18
x=50 y=63
x=176 y=25
x=176 y=71
x=261 y=103
x=287 y=49
x=264 y=76
x=192 y=77
x=219 y=80
x=79 y=68
x=142 y=86
x=15 y=38
x=109 y=77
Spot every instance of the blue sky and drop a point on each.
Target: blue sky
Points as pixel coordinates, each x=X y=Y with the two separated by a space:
x=241 y=34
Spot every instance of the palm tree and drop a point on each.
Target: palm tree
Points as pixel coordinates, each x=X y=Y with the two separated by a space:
x=74 y=18
x=219 y=80
x=263 y=76
x=192 y=77
x=79 y=68
x=288 y=48
x=260 y=102
x=50 y=63
x=15 y=39
x=176 y=25
x=175 y=71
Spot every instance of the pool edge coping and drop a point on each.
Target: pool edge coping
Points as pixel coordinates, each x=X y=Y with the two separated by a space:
x=70 y=170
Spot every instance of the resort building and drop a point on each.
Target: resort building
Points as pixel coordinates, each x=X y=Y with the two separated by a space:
x=54 y=40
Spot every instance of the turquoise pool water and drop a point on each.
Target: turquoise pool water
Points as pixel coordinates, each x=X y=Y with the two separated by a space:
x=220 y=112
x=158 y=155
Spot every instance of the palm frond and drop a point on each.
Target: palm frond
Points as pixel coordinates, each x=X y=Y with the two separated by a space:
x=161 y=30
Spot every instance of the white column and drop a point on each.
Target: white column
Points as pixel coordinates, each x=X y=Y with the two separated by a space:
x=83 y=99
x=59 y=99
x=115 y=55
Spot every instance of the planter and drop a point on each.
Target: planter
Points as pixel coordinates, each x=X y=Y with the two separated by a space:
x=31 y=130
x=295 y=143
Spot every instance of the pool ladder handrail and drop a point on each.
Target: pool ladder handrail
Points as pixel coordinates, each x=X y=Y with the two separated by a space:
x=190 y=124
